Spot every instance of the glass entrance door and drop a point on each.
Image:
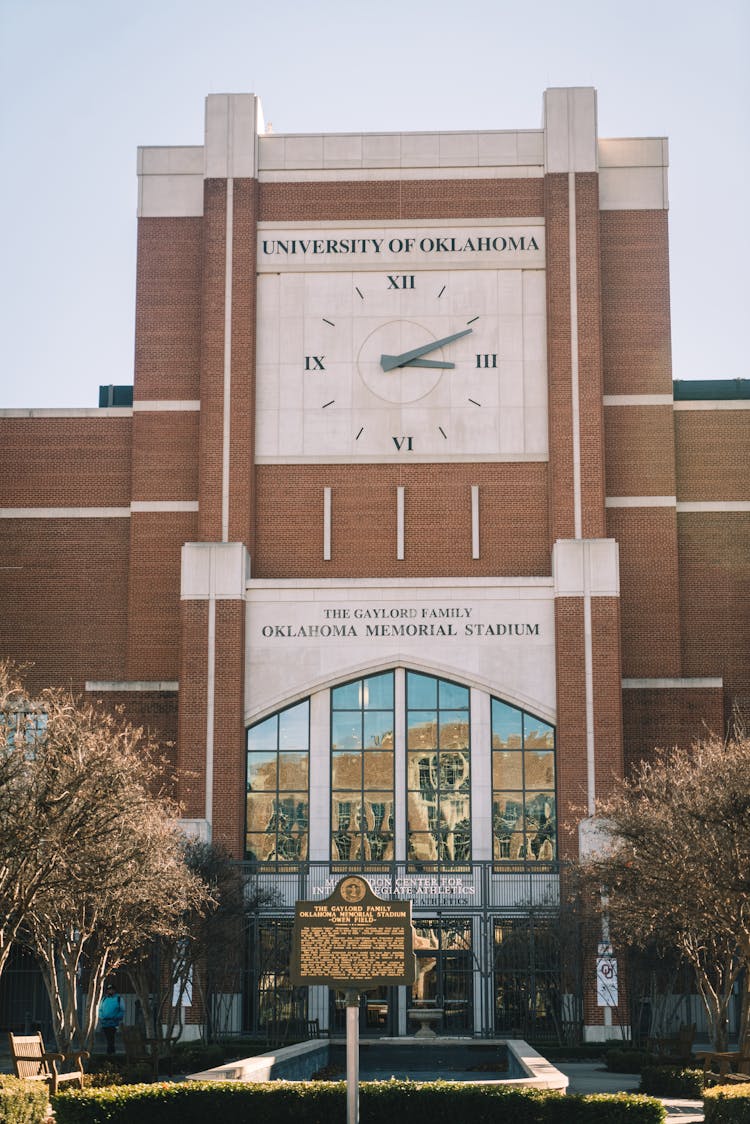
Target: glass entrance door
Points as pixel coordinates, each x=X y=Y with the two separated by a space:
x=377 y=1013
x=444 y=977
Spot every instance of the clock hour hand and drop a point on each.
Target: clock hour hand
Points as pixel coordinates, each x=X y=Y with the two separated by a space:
x=389 y=362
x=428 y=363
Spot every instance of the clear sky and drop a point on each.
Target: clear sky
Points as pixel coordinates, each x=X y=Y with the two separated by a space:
x=84 y=82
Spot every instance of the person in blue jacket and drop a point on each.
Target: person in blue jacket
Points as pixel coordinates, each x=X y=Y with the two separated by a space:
x=111 y=1014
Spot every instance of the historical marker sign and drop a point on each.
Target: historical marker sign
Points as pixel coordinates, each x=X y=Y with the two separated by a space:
x=353 y=939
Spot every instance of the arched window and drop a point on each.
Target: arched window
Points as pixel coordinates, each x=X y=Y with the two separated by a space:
x=278 y=801
x=524 y=811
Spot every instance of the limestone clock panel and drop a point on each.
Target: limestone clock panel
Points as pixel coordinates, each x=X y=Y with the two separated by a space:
x=401 y=364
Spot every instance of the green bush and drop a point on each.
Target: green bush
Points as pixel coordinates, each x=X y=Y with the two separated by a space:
x=22 y=1102
x=624 y=1059
x=727 y=1104
x=672 y=1081
x=297 y=1102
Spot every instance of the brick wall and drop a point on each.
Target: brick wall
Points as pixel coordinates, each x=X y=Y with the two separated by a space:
x=63 y=586
x=168 y=308
x=635 y=302
x=437 y=539
x=65 y=461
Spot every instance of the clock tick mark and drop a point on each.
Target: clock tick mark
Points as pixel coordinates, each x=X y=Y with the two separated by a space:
x=473 y=321
x=359 y=434
x=475 y=403
x=328 y=404
x=359 y=291
x=329 y=322
x=441 y=292
x=445 y=435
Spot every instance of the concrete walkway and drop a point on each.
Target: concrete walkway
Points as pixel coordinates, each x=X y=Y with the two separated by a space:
x=588 y=1077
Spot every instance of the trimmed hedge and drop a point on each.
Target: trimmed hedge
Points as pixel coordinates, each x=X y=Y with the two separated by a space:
x=672 y=1081
x=22 y=1102
x=625 y=1059
x=297 y=1102
x=727 y=1104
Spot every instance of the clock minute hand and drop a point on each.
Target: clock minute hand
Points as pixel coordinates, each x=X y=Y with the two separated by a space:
x=389 y=362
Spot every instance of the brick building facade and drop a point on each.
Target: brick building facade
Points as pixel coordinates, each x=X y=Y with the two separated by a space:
x=407 y=542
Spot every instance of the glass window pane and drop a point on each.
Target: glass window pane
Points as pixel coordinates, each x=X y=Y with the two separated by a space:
x=347 y=697
x=454 y=772
x=540 y=808
x=378 y=846
x=506 y=726
x=454 y=729
x=454 y=809
x=260 y=848
x=422 y=812
x=421 y=691
x=261 y=772
x=294 y=727
x=378 y=770
x=346 y=771
x=538 y=734
x=422 y=771
x=378 y=692
x=346 y=814
x=452 y=696
x=346 y=732
x=293 y=770
x=540 y=769
x=379 y=728
x=507 y=770
x=261 y=815
x=507 y=808
x=423 y=847
x=378 y=811
x=422 y=731
x=264 y=735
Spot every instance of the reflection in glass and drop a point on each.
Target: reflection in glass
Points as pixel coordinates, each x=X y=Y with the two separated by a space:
x=422 y=691
x=277 y=808
x=422 y=730
x=452 y=696
x=264 y=735
x=438 y=819
x=523 y=783
x=378 y=692
x=362 y=769
x=293 y=770
x=537 y=734
x=261 y=772
x=294 y=727
x=454 y=729
x=507 y=769
x=506 y=726
x=378 y=770
x=346 y=730
x=379 y=729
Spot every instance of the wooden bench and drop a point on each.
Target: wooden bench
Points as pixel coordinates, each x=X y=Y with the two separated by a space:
x=32 y=1062
x=727 y=1068
x=138 y=1049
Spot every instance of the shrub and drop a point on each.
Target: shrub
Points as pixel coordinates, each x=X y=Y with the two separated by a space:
x=624 y=1059
x=727 y=1104
x=672 y=1081
x=295 y=1102
x=22 y=1102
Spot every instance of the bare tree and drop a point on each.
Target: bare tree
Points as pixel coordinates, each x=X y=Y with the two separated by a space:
x=92 y=862
x=678 y=872
x=205 y=963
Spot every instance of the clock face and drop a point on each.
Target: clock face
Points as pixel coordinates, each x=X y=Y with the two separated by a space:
x=382 y=365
